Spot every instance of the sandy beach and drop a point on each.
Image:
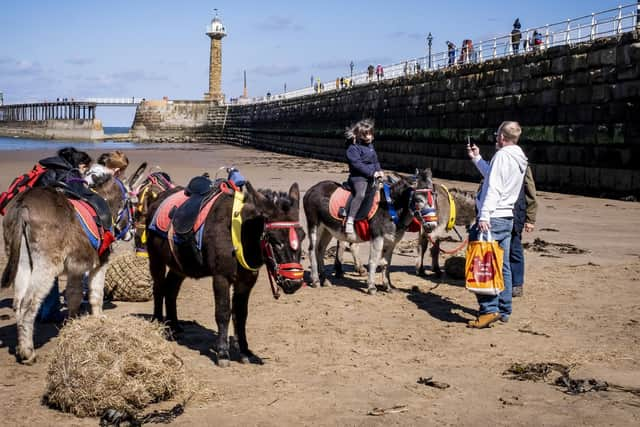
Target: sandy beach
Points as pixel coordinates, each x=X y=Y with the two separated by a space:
x=334 y=354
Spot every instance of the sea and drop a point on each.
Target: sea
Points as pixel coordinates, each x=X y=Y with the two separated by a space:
x=29 y=144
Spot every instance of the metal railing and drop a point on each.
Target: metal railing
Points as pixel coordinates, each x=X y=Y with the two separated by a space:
x=607 y=23
x=114 y=101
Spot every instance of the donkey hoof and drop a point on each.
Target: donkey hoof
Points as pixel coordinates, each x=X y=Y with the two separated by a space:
x=326 y=284
x=224 y=362
x=27 y=358
x=420 y=272
x=361 y=271
x=372 y=290
x=314 y=284
x=249 y=357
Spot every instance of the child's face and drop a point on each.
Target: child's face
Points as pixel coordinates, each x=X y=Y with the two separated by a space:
x=367 y=136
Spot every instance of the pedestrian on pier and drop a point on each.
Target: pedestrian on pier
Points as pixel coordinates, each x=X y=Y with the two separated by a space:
x=451 y=50
x=516 y=36
x=379 y=72
x=370 y=70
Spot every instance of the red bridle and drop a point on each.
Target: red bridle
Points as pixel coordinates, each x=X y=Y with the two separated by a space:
x=278 y=272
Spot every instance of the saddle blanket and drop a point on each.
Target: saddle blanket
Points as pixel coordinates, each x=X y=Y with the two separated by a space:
x=161 y=221
x=339 y=200
x=86 y=214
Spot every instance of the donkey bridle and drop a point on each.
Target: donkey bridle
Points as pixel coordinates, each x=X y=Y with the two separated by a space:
x=280 y=272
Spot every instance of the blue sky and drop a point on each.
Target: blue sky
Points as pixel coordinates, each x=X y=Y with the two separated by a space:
x=151 y=49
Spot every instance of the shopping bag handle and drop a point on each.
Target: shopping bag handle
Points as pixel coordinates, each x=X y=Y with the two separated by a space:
x=482 y=234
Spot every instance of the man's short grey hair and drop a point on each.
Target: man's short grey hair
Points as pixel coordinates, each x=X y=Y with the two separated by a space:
x=356 y=131
x=510 y=131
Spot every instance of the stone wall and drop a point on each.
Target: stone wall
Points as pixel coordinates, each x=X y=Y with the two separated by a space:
x=81 y=129
x=579 y=108
x=166 y=121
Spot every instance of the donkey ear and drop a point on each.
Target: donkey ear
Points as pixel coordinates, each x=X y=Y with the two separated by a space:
x=294 y=195
x=254 y=197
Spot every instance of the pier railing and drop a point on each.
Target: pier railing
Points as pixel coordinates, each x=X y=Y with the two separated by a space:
x=606 y=23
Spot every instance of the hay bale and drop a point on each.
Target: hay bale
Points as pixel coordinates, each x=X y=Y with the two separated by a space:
x=105 y=363
x=454 y=267
x=128 y=279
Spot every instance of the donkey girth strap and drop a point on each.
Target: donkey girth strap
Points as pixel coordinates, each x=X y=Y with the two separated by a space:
x=236 y=230
x=452 y=209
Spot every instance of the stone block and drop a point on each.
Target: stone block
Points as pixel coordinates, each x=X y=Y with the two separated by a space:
x=559 y=65
x=552 y=82
x=578 y=62
x=583 y=95
x=629 y=72
x=550 y=97
x=601 y=94
x=568 y=95
x=626 y=90
x=579 y=78
x=557 y=51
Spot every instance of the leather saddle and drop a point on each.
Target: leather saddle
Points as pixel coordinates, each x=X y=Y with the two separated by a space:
x=199 y=190
x=79 y=191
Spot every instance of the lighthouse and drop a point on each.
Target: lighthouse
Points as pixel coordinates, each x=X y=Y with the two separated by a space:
x=216 y=32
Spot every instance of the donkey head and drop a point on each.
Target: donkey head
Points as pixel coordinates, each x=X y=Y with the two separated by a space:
x=143 y=194
x=116 y=194
x=282 y=235
x=423 y=203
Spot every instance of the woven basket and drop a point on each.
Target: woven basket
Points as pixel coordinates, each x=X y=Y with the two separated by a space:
x=128 y=279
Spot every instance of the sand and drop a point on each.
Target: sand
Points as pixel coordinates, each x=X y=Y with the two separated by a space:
x=334 y=354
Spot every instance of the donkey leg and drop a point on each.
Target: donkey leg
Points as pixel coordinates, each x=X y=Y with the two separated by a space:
x=435 y=258
x=23 y=276
x=241 y=292
x=423 y=244
x=223 y=315
x=157 y=268
x=40 y=284
x=73 y=293
x=172 y=284
x=374 y=257
x=313 y=256
x=324 y=238
x=385 y=263
x=357 y=264
x=337 y=264
x=96 y=290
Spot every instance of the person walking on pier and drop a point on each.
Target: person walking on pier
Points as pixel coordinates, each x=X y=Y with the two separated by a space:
x=451 y=50
x=503 y=178
x=516 y=36
x=370 y=70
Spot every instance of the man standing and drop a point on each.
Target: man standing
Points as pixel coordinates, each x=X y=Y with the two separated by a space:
x=503 y=179
x=516 y=36
x=524 y=219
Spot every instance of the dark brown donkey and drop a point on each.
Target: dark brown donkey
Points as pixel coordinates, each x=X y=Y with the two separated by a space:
x=265 y=229
x=44 y=239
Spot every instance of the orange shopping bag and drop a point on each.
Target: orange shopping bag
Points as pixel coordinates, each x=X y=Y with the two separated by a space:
x=483 y=267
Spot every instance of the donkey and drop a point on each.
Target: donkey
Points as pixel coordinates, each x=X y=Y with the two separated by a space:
x=405 y=202
x=464 y=205
x=44 y=238
x=145 y=193
x=241 y=232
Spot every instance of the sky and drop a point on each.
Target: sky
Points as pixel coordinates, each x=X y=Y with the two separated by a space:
x=157 y=48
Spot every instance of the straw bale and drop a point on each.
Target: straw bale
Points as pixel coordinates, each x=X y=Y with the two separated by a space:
x=121 y=363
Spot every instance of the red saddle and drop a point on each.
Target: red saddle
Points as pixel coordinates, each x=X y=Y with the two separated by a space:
x=100 y=238
x=339 y=200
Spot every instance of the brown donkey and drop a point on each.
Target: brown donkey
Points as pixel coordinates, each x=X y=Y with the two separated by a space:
x=241 y=231
x=44 y=239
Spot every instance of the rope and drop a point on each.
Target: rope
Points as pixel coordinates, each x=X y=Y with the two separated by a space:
x=462 y=245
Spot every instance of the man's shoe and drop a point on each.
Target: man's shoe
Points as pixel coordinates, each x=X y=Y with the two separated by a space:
x=484 y=320
x=517 y=291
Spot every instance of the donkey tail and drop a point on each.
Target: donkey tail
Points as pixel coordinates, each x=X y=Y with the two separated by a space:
x=15 y=230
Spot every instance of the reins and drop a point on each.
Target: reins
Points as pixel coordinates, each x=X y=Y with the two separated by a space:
x=290 y=270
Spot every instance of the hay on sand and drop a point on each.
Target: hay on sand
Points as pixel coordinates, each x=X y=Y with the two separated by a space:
x=121 y=363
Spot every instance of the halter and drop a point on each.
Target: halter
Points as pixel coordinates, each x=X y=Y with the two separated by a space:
x=280 y=272
x=427 y=214
x=126 y=209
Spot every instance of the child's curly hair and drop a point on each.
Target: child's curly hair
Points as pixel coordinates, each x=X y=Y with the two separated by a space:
x=114 y=160
x=356 y=131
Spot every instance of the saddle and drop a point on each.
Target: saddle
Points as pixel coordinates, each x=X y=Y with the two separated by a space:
x=180 y=218
x=78 y=191
x=199 y=191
